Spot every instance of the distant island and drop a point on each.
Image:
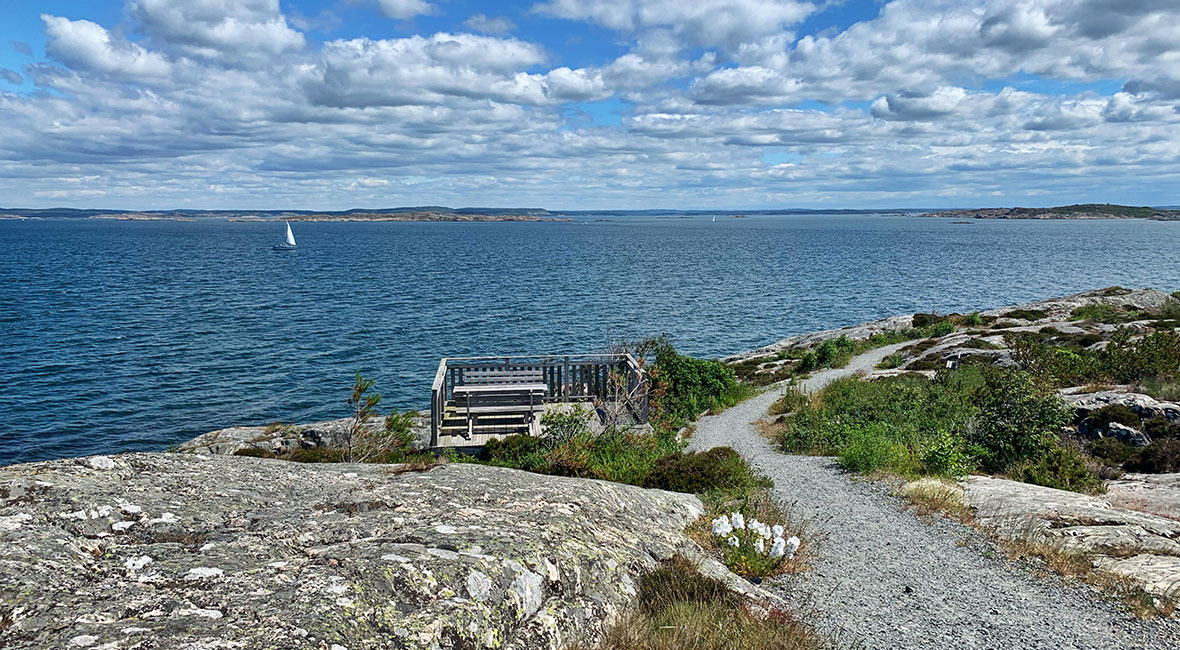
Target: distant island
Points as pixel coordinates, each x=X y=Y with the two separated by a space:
x=423 y=213
x=1081 y=211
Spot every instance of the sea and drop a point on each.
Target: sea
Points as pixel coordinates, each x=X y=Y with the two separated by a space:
x=137 y=335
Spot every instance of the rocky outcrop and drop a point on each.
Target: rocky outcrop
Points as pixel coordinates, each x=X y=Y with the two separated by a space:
x=1061 y=309
x=1088 y=428
x=1157 y=494
x=282 y=438
x=855 y=332
x=1137 y=545
x=1145 y=406
x=190 y=551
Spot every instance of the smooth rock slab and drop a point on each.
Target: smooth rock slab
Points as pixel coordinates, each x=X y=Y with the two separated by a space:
x=250 y=553
x=1080 y=522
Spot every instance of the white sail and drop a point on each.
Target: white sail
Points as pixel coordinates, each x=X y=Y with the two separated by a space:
x=290 y=236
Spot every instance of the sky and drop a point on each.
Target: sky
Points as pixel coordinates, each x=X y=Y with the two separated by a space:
x=588 y=104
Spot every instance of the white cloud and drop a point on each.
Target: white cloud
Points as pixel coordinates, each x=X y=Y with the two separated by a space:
x=231 y=30
x=482 y=23
x=402 y=9
x=84 y=45
x=706 y=23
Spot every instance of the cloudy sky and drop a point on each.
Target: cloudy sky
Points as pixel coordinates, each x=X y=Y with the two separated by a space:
x=334 y=104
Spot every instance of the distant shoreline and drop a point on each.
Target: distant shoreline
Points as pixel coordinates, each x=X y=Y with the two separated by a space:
x=1072 y=212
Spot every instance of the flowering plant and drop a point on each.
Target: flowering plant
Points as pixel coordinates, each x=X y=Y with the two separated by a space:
x=744 y=545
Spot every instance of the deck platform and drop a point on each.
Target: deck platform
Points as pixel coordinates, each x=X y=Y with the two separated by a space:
x=477 y=399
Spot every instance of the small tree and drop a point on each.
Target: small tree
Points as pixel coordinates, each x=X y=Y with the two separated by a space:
x=364 y=406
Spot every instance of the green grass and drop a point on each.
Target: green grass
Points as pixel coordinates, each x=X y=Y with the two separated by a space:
x=680 y=609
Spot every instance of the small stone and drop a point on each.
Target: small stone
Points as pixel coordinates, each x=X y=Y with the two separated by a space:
x=100 y=462
x=83 y=641
x=197 y=573
x=137 y=563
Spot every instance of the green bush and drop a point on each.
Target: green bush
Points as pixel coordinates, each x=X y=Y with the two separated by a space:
x=1063 y=468
x=973 y=319
x=720 y=468
x=1097 y=311
x=947 y=455
x=518 y=451
x=790 y=401
x=566 y=423
x=1026 y=314
x=687 y=387
x=942 y=328
x=1121 y=413
x=1018 y=420
x=1158 y=428
x=926 y=320
x=831 y=353
x=876 y=447
x=1112 y=451
x=1160 y=457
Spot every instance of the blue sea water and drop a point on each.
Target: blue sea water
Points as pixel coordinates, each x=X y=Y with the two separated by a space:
x=122 y=336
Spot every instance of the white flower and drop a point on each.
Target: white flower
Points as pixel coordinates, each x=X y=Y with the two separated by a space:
x=738 y=520
x=778 y=548
x=778 y=531
x=760 y=545
x=792 y=546
x=733 y=541
x=763 y=530
x=721 y=526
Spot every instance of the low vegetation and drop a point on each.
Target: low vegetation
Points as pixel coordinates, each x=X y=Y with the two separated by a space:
x=968 y=419
x=680 y=609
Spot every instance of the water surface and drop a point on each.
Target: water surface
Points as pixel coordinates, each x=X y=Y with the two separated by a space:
x=138 y=335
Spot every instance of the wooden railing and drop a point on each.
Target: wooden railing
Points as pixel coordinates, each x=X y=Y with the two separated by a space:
x=568 y=378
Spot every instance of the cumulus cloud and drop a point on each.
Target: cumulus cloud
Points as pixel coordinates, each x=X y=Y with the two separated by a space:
x=402 y=9
x=11 y=76
x=705 y=23
x=482 y=23
x=84 y=45
x=220 y=102
x=230 y=30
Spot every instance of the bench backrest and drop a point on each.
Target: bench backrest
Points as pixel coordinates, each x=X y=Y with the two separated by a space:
x=503 y=377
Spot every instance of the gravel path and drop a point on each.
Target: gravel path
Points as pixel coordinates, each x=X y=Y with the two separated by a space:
x=887 y=580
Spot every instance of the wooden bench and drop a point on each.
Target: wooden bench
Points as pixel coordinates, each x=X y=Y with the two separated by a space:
x=487 y=392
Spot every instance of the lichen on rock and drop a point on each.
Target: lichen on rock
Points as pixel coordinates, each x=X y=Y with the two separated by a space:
x=195 y=551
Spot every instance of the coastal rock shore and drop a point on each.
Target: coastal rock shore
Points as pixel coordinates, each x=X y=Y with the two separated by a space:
x=189 y=551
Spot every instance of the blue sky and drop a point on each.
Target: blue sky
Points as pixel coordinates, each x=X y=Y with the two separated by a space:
x=639 y=104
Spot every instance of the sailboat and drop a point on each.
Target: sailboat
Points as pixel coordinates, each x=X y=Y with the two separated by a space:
x=714 y=218
x=288 y=245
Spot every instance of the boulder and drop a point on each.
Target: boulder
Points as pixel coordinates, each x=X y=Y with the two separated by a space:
x=1145 y=406
x=281 y=438
x=1130 y=435
x=190 y=551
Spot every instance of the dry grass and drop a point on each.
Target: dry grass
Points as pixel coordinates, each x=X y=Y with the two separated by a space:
x=931 y=496
x=1079 y=565
x=679 y=609
x=419 y=463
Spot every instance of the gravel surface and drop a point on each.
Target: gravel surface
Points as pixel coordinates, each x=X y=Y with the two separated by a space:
x=885 y=579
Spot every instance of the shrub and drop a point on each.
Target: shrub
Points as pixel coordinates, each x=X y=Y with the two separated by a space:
x=973 y=319
x=1158 y=428
x=720 y=468
x=1120 y=413
x=1160 y=457
x=1112 y=451
x=686 y=387
x=564 y=424
x=875 y=447
x=890 y=362
x=1097 y=311
x=1025 y=314
x=1018 y=421
x=518 y=451
x=750 y=548
x=254 y=452
x=831 y=353
x=1064 y=468
x=942 y=328
x=926 y=320
x=946 y=455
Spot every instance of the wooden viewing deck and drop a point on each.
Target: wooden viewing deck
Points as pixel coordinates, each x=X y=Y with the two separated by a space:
x=475 y=399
